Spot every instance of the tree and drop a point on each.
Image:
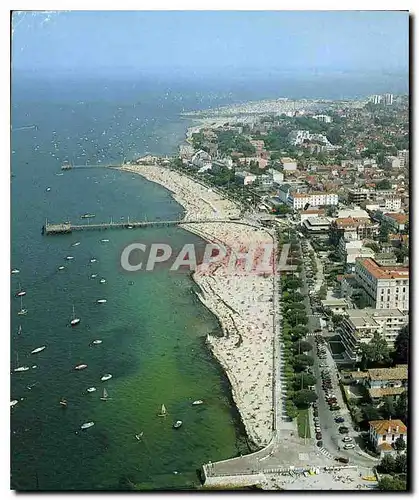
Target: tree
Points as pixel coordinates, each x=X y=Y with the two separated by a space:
x=376 y=352
x=302 y=361
x=392 y=484
x=299 y=332
x=303 y=398
x=399 y=444
x=370 y=412
x=291 y=409
x=302 y=345
x=387 y=464
x=401 y=462
x=384 y=231
x=388 y=409
x=303 y=380
x=384 y=184
x=401 y=347
x=401 y=407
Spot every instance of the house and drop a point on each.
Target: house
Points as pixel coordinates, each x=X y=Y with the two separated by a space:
x=288 y=164
x=396 y=220
x=384 y=433
x=336 y=306
x=383 y=382
x=245 y=178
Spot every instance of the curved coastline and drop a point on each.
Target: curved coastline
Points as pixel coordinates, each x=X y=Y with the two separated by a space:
x=240 y=301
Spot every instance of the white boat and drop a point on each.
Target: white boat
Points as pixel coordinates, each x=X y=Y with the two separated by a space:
x=19 y=331
x=93 y=260
x=38 y=349
x=20 y=293
x=76 y=244
x=101 y=301
x=93 y=276
x=80 y=367
x=74 y=321
x=139 y=436
x=69 y=257
x=102 y=281
x=48 y=189
x=104 y=241
x=15 y=271
x=163 y=411
x=98 y=341
x=22 y=311
x=105 y=377
x=197 y=402
x=87 y=425
x=20 y=368
x=177 y=424
x=91 y=389
x=61 y=268
x=105 y=395
x=14 y=402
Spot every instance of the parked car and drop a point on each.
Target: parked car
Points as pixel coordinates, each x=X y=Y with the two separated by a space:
x=316 y=420
x=317 y=429
x=319 y=444
x=343 y=429
x=319 y=436
x=334 y=408
x=339 y=420
x=343 y=460
x=349 y=446
x=315 y=413
x=347 y=439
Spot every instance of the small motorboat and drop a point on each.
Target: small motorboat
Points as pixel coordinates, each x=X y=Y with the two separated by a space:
x=76 y=244
x=21 y=369
x=15 y=271
x=87 y=425
x=91 y=389
x=87 y=216
x=74 y=321
x=102 y=281
x=14 y=402
x=48 y=189
x=80 y=367
x=61 y=268
x=105 y=377
x=104 y=241
x=139 y=436
x=20 y=293
x=34 y=366
x=101 y=301
x=93 y=260
x=63 y=403
x=93 y=276
x=96 y=342
x=197 y=402
x=69 y=257
x=38 y=349
x=177 y=424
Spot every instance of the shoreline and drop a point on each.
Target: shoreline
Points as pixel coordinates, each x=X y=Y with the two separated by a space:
x=241 y=302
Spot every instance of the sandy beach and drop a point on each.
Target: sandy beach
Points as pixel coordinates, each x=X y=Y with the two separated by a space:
x=241 y=300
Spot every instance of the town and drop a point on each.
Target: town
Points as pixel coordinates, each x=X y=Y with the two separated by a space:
x=332 y=179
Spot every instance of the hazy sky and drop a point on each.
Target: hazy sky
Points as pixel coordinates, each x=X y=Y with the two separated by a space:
x=207 y=42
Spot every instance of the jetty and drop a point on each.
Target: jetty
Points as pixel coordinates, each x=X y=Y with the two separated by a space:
x=68 y=227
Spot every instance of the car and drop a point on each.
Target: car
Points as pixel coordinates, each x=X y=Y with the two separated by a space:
x=317 y=429
x=319 y=444
x=319 y=436
x=339 y=420
x=349 y=446
x=315 y=405
x=315 y=413
x=334 y=408
x=316 y=420
x=343 y=460
x=343 y=429
x=347 y=439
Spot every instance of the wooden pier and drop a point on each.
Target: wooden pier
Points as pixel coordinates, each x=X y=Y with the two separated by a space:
x=67 y=227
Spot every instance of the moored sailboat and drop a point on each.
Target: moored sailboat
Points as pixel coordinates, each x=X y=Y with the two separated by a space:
x=163 y=411
x=22 y=311
x=105 y=395
x=75 y=321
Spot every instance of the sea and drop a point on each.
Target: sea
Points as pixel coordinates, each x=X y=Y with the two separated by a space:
x=152 y=327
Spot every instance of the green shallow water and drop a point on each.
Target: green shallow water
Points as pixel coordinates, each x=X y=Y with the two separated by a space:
x=153 y=330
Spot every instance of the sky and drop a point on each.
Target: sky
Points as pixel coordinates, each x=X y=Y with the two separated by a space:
x=209 y=42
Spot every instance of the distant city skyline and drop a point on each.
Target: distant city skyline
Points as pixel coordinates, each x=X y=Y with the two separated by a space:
x=200 y=43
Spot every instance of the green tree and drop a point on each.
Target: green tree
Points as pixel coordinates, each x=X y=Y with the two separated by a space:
x=384 y=231
x=401 y=407
x=303 y=398
x=303 y=380
x=370 y=412
x=401 y=347
x=291 y=409
x=376 y=352
x=388 y=408
x=399 y=444
x=392 y=484
x=302 y=361
x=299 y=332
x=302 y=346
x=401 y=461
x=384 y=184
x=387 y=464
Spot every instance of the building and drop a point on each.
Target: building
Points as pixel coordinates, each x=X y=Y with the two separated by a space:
x=385 y=287
x=288 y=164
x=317 y=226
x=397 y=221
x=336 y=306
x=201 y=159
x=388 y=99
x=376 y=99
x=392 y=162
x=383 y=382
x=311 y=213
x=323 y=118
x=349 y=229
x=384 y=433
x=359 y=326
x=352 y=250
x=300 y=201
x=297 y=137
x=357 y=196
x=403 y=156
x=245 y=178
x=277 y=177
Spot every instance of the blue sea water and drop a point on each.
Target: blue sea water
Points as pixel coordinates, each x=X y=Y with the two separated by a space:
x=152 y=327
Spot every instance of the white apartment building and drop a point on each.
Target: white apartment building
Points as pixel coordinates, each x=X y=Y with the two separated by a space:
x=392 y=162
x=245 y=178
x=403 y=156
x=388 y=99
x=359 y=326
x=288 y=164
x=297 y=137
x=385 y=287
x=323 y=118
x=300 y=200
